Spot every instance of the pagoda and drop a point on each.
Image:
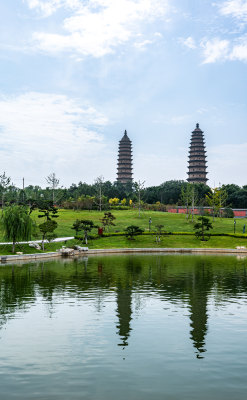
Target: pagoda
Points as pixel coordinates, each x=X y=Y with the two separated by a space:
x=197 y=158
x=124 y=168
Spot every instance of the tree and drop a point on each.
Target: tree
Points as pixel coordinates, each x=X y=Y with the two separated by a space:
x=139 y=187
x=17 y=224
x=193 y=200
x=86 y=226
x=216 y=199
x=53 y=183
x=222 y=198
x=4 y=184
x=47 y=230
x=189 y=198
x=47 y=210
x=77 y=226
x=202 y=227
x=159 y=229
x=114 y=201
x=98 y=184
x=22 y=198
x=132 y=231
x=107 y=220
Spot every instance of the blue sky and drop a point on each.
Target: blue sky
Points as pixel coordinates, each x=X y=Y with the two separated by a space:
x=76 y=73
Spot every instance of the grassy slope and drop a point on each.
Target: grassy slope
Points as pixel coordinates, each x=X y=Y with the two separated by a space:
x=171 y=222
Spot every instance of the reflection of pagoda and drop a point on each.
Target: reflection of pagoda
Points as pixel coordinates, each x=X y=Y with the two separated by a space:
x=124 y=168
x=197 y=158
x=198 y=307
x=124 y=313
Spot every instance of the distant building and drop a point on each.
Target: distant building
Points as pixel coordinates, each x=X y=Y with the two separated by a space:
x=124 y=168
x=197 y=158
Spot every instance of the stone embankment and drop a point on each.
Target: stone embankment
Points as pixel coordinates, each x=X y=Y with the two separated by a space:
x=38 y=256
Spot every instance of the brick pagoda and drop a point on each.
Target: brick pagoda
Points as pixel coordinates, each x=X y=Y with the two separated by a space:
x=124 y=168
x=197 y=158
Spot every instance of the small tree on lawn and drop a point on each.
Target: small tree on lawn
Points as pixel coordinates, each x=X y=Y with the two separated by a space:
x=17 y=224
x=139 y=188
x=132 y=231
x=107 y=220
x=77 y=226
x=86 y=226
x=202 y=227
x=216 y=200
x=98 y=185
x=47 y=230
x=47 y=210
x=159 y=229
x=189 y=198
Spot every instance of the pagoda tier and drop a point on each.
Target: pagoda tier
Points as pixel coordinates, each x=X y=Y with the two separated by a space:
x=124 y=165
x=197 y=158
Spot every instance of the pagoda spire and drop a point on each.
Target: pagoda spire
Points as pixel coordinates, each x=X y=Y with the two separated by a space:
x=124 y=167
x=197 y=157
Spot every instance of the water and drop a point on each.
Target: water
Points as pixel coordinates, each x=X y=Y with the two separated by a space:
x=124 y=327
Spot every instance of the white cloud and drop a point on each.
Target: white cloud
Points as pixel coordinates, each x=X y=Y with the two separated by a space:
x=234 y=8
x=239 y=51
x=97 y=27
x=43 y=132
x=215 y=50
x=49 y=7
x=188 y=42
x=142 y=45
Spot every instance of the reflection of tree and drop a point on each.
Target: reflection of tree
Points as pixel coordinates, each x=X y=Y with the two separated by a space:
x=15 y=289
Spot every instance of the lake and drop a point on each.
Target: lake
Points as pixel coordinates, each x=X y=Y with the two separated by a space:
x=124 y=327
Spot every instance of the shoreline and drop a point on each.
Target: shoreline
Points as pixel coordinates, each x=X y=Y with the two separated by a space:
x=32 y=257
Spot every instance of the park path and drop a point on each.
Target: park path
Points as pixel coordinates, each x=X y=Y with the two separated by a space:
x=62 y=239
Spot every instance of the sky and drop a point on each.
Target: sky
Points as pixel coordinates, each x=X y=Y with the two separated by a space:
x=74 y=74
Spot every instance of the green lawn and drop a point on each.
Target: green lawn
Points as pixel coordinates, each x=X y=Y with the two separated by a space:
x=171 y=222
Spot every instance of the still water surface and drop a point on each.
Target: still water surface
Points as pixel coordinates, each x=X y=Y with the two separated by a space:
x=124 y=327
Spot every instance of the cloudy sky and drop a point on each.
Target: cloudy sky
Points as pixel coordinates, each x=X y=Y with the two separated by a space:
x=74 y=74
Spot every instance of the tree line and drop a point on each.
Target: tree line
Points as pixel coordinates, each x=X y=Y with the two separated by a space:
x=101 y=193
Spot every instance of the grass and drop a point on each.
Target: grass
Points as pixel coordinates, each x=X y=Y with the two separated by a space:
x=171 y=222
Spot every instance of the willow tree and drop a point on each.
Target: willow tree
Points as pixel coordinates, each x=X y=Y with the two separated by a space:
x=17 y=224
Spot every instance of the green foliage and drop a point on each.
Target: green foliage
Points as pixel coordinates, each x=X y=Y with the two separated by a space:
x=228 y=213
x=17 y=224
x=107 y=220
x=47 y=210
x=216 y=199
x=237 y=196
x=202 y=227
x=85 y=225
x=48 y=227
x=47 y=230
x=77 y=226
x=4 y=184
x=159 y=229
x=189 y=198
x=132 y=231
